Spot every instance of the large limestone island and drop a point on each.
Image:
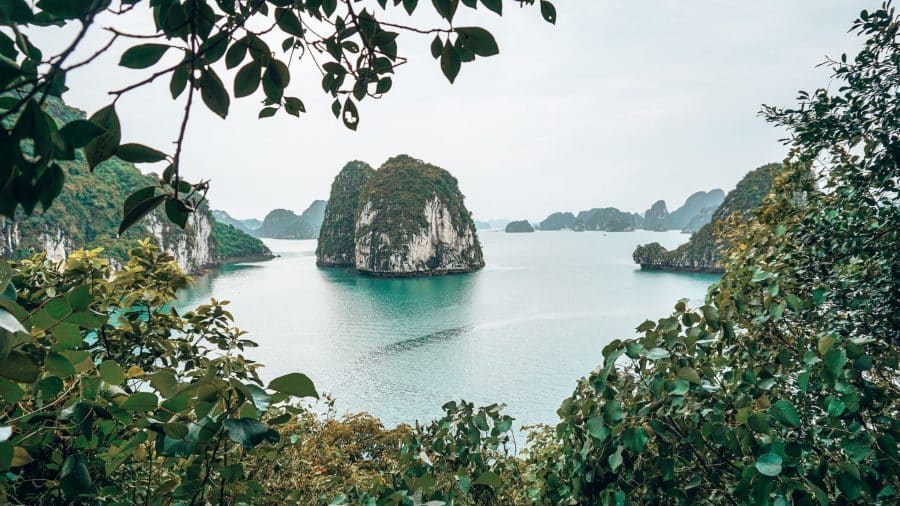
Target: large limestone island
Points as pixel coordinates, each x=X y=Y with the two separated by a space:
x=409 y=219
x=702 y=253
x=517 y=227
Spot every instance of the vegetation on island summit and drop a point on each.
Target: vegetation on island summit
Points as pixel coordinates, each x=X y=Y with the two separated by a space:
x=235 y=244
x=401 y=188
x=781 y=388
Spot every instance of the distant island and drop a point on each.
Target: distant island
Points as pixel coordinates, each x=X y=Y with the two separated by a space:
x=517 y=227
x=280 y=223
x=690 y=217
x=702 y=252
x=409 y=219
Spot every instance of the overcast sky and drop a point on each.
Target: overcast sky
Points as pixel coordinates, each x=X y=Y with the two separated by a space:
x=620 y=104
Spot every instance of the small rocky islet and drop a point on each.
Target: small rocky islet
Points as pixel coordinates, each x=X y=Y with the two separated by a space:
x=519 y=227
x=406 y=219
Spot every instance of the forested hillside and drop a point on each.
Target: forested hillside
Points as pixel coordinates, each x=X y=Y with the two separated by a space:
x=89 y=210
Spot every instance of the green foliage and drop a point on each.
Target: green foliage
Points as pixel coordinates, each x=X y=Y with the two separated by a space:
x=234 y=243
x=110 y=396
x=338 y=233
x=354 y=51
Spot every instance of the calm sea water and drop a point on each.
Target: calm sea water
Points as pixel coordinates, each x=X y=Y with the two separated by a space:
x=521 y=331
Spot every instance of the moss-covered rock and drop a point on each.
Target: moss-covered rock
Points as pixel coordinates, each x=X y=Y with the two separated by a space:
x=516 y=227
x=338 y=233
x=702 y=253
x=412 y=221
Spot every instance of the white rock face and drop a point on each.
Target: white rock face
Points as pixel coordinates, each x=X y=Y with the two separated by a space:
x=55 y=242
x=190 y=248
x=438 y=248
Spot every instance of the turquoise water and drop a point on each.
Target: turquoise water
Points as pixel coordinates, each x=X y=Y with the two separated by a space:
x=521 y=331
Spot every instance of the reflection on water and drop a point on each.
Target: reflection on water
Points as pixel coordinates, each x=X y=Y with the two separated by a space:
x=521 y=331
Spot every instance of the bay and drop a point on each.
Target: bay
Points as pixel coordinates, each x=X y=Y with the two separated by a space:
x=521 y=331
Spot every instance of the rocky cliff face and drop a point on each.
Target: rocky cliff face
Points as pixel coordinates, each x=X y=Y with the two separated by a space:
x=702 y=253
x=412 y=222
x=516 y=227
x=337 y=246
x=193 y=248
x=655 y=217
x=88 y=211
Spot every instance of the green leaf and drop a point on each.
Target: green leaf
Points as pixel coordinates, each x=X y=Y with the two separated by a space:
x=74 y=478
x=140 y=209
x=690 y=374
x=657 y=353
x=437 y=47
x=615 y=459
x=478 y=40
x=848 y=481
x=295 y=384
x=450 y=62
x=275 y=80
x=18 y=367
x=294 y=106
x=350 y=115
x=175 y=430
x=494 y=5
x=267 y=112
x=288 y=22
x=143 y=56
x=634 y=439
x=103 y=146
x=111 y=372
x=548 y=11
x=59 y=366
x=246 y=431
x=235 y=54
x=489 y=479
x=597 y=428
x=769 y=464
x=784 y=412
x=246 y=81
x=213 y=93
x=138 y=153
x=759 y=422
x=141 y=402
x=80 y=132
x=177 y=212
